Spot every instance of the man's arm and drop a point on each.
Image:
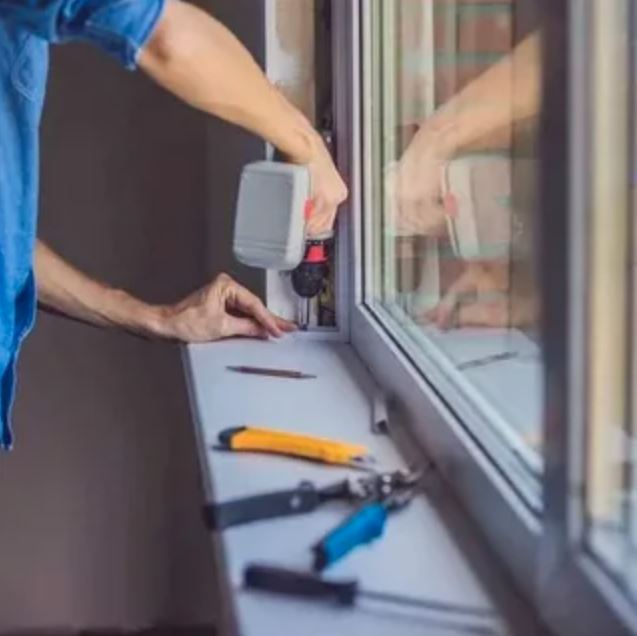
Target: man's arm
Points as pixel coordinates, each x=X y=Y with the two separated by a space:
x=199 y=60
x=480 y=116
x=507 y=93
x=195 y=57
x=219 y=310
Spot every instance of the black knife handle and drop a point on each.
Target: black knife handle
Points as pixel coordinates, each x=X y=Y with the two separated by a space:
x=283 y=503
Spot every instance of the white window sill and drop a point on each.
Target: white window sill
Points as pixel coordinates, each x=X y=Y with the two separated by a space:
x=418 y=556
x=514 y=386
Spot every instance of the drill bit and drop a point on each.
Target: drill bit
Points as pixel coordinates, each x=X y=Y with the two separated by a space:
x=304 y=313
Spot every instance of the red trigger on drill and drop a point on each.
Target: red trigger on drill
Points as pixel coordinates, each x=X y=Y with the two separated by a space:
x=316 y=254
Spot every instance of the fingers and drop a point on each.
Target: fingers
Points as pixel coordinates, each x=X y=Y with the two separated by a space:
x=324 y=210
x=452 y=313
x=322 y=219
x=246 y=302
x=493 y=315
x=328 y=192
x=244 y=327
x=285 y=325
x=444 y=314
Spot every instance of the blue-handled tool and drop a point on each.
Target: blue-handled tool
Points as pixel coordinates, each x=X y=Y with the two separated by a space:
x=364 y=526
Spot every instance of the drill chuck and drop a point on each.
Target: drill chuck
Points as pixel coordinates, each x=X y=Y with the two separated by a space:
x=309 y=277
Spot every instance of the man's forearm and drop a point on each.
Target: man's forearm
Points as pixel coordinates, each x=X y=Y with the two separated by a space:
x=67 y=291
x=198 y=59
x=220 y=309
x=483 y=113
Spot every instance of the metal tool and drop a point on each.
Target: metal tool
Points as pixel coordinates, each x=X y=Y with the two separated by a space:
x=277 y=580
x=273 y=373
x=303 y=499
x=367 y=523
x=263 y=440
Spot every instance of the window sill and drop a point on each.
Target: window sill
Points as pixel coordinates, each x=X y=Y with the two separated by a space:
x=419 y=555
x=513 y=386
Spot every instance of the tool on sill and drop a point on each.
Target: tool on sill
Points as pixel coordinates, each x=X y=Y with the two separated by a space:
x=277 y=580
x=487 y=360
x=305 y=498
x=364 y=526
x=273 y=207
x=262 y=440
x=273 y=373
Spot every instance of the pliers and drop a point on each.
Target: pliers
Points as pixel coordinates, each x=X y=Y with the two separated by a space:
x=368 y=522
x=306 y=497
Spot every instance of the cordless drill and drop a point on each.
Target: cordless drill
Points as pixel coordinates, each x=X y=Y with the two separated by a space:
x=273 y=208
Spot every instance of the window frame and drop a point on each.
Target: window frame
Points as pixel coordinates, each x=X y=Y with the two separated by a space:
x=514 y=532
x=568 y=568
x=542 y=552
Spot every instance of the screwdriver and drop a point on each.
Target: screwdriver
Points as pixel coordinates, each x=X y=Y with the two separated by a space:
x=279 y=580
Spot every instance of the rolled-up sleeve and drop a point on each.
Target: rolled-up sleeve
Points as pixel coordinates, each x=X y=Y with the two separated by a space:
x=119 y=27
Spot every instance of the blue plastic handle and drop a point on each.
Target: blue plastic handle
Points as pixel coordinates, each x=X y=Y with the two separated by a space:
x=362 y=527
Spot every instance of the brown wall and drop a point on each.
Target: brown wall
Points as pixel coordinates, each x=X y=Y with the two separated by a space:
x=100 y=500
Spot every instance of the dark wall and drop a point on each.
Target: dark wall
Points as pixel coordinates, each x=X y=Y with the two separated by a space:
x=99 y=501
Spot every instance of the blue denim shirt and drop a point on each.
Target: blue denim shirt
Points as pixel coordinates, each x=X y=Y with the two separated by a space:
x=119 y=27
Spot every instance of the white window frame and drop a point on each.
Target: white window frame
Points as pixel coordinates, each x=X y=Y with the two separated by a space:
x=514 y=529
x=542 y=551
x=569 y=567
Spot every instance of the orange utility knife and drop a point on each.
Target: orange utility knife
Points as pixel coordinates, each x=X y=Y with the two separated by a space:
x=262 y=440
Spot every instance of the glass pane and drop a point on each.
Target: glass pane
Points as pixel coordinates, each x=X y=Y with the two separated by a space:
x=612 y=370
x=453 y=105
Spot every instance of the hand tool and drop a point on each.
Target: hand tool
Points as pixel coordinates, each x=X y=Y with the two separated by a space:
x=246 y=438
x=273 y=208
x=305 y=498
x=273 y=373
x=287 y=582
x=365 y=525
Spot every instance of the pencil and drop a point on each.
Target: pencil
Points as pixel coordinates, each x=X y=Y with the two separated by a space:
x=273 y=373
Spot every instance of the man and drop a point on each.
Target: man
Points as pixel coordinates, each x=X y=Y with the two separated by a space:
x=193 y=56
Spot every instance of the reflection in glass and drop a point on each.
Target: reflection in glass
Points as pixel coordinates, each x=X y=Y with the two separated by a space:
x=456 y=90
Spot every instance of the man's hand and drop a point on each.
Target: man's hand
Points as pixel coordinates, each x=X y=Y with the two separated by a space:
x=413 y=187
x=480 y=297
x=220 y=310
x=480 y=116
x=328 y=191
x=196 y=58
